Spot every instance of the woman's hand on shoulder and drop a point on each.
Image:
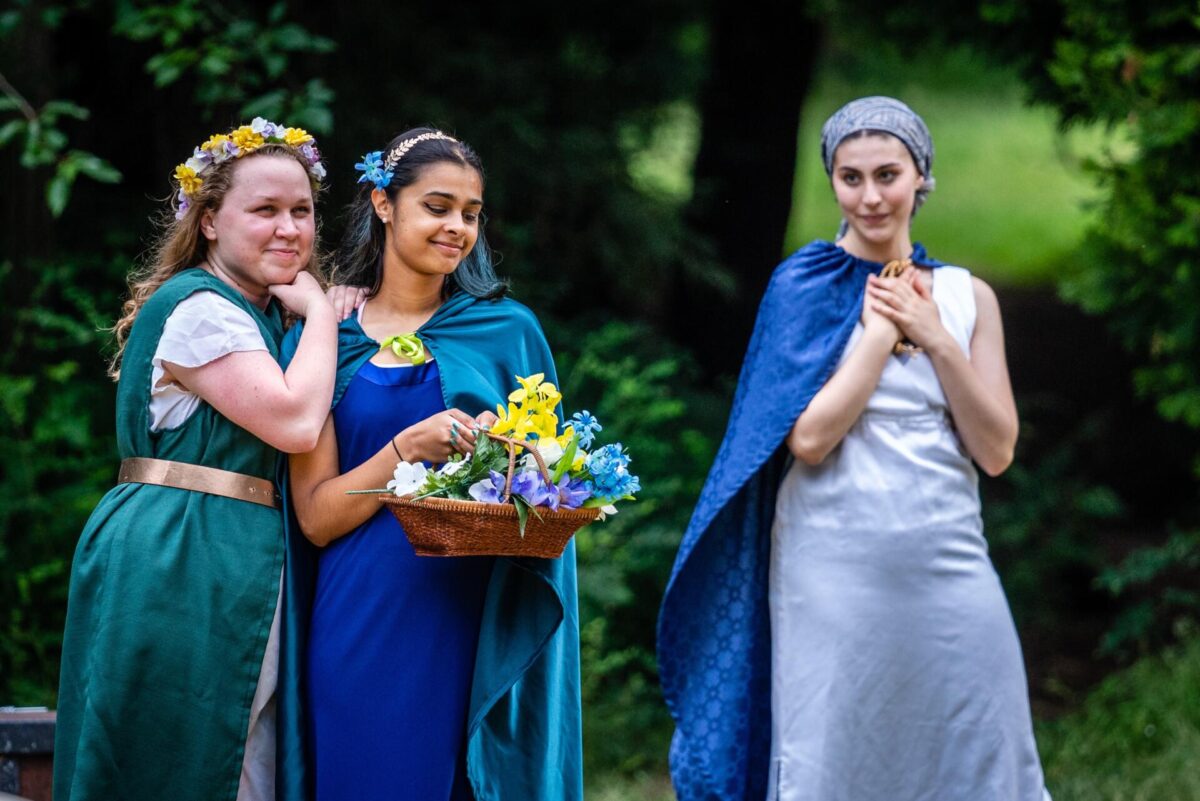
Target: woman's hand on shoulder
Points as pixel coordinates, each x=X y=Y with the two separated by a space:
x=345 y=299
x=302 y=296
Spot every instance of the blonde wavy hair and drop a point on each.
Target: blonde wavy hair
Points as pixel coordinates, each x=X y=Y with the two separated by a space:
x=180 y=244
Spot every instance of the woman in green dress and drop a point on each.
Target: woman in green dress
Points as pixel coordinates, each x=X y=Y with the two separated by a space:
x=168 y=668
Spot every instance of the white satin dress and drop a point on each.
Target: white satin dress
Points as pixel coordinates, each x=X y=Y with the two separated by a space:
x=896 y=670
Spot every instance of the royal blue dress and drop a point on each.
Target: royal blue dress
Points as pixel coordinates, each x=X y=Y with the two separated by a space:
x=393 y=636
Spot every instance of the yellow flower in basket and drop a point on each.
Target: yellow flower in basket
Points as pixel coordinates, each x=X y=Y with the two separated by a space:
x=530 y=410
x=528 y=390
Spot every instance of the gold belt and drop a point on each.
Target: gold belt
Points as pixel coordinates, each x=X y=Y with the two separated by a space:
x=198 y=478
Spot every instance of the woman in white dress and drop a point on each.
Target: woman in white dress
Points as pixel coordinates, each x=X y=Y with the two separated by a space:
x=895 y=673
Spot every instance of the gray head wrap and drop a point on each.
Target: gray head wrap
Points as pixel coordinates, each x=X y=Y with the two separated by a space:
x=881 y=114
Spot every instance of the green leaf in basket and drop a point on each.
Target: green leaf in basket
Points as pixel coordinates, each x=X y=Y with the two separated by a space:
x=564 y=462
x=522 y=513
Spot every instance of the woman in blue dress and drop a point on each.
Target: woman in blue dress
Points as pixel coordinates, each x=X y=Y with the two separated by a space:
x=409 y=677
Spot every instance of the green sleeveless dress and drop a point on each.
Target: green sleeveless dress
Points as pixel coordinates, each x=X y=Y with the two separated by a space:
x=171 y=601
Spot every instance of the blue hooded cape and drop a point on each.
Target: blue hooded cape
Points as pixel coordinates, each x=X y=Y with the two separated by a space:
x=714 y=639
x=524 y=731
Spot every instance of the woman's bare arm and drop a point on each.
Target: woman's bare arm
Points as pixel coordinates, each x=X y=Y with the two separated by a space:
x=978 y=389
x=283 y=409
x=838 y=404
x=319 y=490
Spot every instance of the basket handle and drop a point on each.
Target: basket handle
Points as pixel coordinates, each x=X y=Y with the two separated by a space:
x=512 y=460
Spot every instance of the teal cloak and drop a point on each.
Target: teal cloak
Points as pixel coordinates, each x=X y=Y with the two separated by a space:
x=524 y=732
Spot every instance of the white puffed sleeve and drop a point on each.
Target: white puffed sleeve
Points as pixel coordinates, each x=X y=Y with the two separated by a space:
x=203 y=327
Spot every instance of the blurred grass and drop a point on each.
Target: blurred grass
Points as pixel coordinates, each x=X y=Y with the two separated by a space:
x=1135 y=738
x=622 y=788
x=1012 y=191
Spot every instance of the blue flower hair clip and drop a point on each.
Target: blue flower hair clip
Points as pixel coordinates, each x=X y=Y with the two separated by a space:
x=372 y=170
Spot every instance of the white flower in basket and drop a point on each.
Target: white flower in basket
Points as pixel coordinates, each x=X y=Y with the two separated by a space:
x=550 y=451
x=450 y=468
x=407 y=478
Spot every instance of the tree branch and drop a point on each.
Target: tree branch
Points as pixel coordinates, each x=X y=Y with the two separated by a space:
x=20 y=100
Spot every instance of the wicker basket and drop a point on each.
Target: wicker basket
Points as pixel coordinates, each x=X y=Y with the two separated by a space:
x=443 y=527
x=440 y=527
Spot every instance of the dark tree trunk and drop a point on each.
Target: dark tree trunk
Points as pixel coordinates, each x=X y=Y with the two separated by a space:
x=761 y=68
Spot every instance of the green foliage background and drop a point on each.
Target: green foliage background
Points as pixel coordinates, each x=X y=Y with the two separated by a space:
x=589 y=125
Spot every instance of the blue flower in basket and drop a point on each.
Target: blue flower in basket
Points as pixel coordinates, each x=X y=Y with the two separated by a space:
x=490 y=489
x=611 y=478
x=533 y=489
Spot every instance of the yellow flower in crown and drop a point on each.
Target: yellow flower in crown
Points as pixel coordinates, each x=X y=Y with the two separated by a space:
x=189 y=181
x=247 y=139
x=214 y=142
x=294 y=137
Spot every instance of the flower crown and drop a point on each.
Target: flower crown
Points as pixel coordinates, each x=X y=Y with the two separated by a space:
x=379 y=171
x=243 y=141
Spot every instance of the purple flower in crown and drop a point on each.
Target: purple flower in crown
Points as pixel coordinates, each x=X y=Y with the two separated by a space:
x=267 y=128
x=310 y=153
x=184 y=205
x=489 y=490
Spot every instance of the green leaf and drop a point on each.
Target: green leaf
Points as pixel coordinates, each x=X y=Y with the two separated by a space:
x=62 y=372
x=320 y=44
x=522 y=513
x=96 y=168
x=14 y=392
x=10 y=131
x=215 y=63
x=292 y=37
x=52 y=17
x=9 y=20
x=316 y=119
x=54 y=140
x=268 y=105
x=564 y=463
x=66 y=108
x=275 y=64
x=58 y=192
